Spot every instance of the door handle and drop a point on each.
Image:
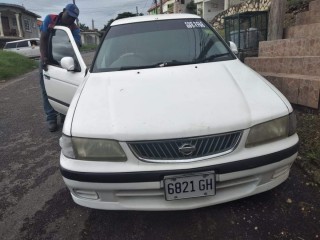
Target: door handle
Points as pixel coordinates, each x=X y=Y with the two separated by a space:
x=46 y=76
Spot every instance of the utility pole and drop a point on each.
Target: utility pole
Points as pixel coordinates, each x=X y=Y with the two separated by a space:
x=161 y=10
x=137 y=11
x=74 y=2
x=276 y=19
x=203 y=6
x=156 y=2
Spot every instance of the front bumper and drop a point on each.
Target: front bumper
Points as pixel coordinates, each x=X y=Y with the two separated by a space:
x=143 y=190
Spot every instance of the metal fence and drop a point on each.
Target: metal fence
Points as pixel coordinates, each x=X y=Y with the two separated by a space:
x=246 y=30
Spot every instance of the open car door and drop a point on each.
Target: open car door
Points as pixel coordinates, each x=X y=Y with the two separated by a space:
x=66 y=69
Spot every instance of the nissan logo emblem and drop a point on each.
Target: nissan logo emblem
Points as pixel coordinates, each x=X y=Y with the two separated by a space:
x=187 y=149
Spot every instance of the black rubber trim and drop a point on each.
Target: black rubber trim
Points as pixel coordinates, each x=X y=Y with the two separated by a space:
x=155 y=176
x=58 y=101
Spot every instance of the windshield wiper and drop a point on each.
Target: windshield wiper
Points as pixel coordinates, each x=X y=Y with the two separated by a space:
x=156 y=65
x=212 y=57
x=173 y=63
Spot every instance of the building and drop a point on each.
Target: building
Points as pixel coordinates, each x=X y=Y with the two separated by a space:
x=207 y=9
x=16 y=22
x=90 y=37
x=169 y=6
x=230 y=3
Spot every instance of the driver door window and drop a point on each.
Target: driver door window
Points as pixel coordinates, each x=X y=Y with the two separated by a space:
x=60 y=46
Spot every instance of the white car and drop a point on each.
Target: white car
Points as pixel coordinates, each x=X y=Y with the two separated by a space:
x=166 y=118
x=27 y=47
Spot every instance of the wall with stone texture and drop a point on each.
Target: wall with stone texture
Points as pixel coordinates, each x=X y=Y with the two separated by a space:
x=248 y=6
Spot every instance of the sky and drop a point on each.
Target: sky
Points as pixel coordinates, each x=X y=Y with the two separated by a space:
x=101 y=11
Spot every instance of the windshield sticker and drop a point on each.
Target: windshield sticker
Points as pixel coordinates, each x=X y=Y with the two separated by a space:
x=194 y=25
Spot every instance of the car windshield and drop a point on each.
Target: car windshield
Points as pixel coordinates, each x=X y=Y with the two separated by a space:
x=159 y=44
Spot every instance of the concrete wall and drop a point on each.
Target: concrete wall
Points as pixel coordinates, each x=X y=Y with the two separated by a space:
x=90 y=38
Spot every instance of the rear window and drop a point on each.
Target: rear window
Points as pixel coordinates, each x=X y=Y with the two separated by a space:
x=23 y=44
x=10 y=45
x=35 y=43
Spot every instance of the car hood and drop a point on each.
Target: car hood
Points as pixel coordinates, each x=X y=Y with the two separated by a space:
x=175 y=102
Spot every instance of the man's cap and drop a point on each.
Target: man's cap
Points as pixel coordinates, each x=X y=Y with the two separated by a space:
x=72 y=10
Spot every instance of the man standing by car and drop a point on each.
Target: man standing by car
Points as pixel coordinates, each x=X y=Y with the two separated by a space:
x=66 y=18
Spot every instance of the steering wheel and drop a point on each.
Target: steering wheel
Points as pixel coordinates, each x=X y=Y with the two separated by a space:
x=129 y=59
x=132 y=55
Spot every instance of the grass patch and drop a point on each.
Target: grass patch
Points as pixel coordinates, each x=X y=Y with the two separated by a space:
x=221 y=33
x=293 y=8
x=293 y=5
x=309 y=151
x=88 y=48
x=13 y=65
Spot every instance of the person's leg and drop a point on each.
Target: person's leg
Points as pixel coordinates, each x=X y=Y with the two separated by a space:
x=62 y=117
x=51 y=114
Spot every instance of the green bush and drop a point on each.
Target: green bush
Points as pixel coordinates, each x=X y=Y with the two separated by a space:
x=89 y=47
x=297 y=4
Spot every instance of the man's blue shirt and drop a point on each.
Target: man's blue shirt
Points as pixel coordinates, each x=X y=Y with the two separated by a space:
x=48 y=20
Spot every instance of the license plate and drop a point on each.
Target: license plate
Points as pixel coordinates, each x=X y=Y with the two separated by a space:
x=189 y=186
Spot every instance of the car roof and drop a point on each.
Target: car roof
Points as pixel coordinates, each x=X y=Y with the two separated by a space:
x=149 y=18
x=28 y=39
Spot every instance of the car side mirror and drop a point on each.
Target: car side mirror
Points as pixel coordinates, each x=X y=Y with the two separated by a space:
x=234 y=48
x=68 y=63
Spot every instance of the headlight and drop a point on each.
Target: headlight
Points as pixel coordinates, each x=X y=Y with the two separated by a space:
x=292 y=123
x=272 y=130
x=66 y=146
x=92 y=149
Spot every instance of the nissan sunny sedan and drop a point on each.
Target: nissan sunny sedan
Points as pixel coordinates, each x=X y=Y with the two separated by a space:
x=166 y=118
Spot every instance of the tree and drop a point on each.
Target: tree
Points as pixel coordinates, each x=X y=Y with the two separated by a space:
x=83 y=27
x=120 y=16
x=192 y=7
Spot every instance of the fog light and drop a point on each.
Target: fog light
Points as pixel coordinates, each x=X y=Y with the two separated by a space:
x=88 y=194
x=281 y=171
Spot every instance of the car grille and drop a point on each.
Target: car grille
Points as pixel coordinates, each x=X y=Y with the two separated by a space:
x=185 y=148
